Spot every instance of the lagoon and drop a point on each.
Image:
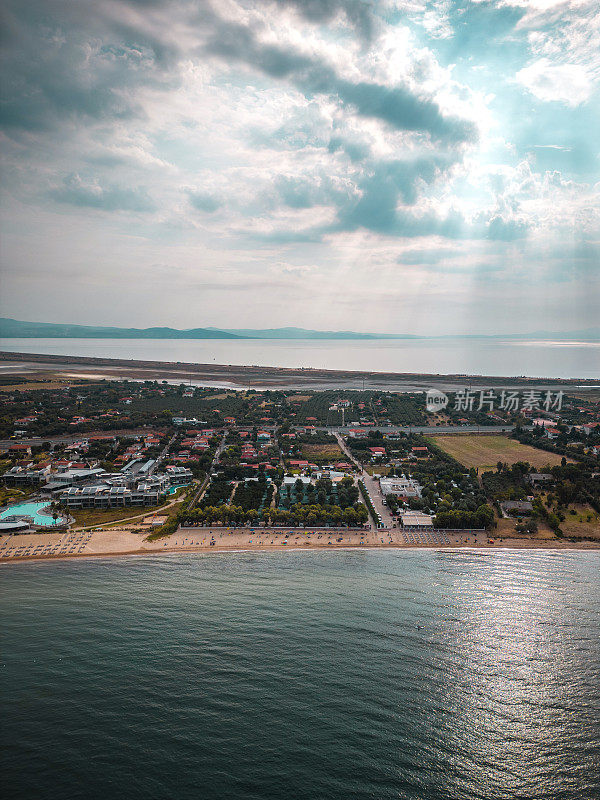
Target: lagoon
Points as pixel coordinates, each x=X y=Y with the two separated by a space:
x=476 y=356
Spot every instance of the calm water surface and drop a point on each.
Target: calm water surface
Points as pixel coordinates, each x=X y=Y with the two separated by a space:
x=439 y=356
x=340 y=675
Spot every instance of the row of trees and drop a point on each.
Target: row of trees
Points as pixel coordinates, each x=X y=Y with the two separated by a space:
x=308 y=516
x=482 y=518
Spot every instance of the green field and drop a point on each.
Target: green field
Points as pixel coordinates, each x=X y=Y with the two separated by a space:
x=85 y=517
x=484 y=451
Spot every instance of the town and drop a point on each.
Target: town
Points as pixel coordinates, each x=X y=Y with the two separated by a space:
x=157 y=463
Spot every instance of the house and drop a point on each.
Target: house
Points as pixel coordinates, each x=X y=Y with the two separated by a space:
x=590 y=427
x=376 y=452
x=332 y=474
x=20 y=448
x=290 y=481
x=516 y=508
x=184 y=421
x=357 y=433
x=536 y=478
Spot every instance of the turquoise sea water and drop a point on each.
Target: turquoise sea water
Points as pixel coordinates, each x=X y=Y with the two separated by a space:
x=372 y=674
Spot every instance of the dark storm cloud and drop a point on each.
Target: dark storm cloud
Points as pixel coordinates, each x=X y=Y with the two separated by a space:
x=382 y=204
x=61 y=62
x=358 y=13
x=397 y=106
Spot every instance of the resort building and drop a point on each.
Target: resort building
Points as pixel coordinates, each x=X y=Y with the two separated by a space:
x=179 y=476
x=26 y=476
x=105 y=496
x=403 y=487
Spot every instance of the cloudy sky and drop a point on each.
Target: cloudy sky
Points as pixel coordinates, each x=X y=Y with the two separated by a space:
x=394 y=166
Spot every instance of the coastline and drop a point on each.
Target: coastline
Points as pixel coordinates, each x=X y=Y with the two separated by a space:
x=261 y=377
x=122 y=543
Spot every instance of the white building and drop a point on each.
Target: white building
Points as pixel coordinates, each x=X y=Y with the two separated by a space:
x=416 y=519
x=403 y=486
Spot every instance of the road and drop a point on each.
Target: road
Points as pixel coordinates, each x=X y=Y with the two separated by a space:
x=206 y=480
x=426 y=429
x=371 y=485
x=71 y=438
x=377 y=500
x=163 y=453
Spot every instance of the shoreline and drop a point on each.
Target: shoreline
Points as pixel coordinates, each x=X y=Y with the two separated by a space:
x=262 y=377
x=514 y=544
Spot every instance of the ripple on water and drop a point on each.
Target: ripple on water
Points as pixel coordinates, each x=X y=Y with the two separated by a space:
x=377 y=674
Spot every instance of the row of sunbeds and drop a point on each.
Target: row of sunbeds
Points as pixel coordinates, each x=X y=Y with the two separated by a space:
x=74 y=544
x=425 y=537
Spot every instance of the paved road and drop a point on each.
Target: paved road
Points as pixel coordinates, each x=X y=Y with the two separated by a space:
x=377 y=500
x=426 y=429
x=71 y=438
x=433 y=431
x=371 y=485
x=163 y=453
x=206 y=480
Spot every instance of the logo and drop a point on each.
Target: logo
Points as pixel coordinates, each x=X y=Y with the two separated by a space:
x=435 y=400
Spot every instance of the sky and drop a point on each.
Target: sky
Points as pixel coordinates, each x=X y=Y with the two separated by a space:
x=400 y=166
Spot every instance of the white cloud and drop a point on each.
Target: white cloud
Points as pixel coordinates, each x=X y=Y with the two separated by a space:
x=205 y=173
x=565 y=83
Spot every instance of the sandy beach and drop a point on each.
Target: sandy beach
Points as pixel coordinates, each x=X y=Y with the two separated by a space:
x=131 y=541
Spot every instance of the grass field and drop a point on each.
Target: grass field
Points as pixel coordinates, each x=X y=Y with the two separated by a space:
x=91 y=516
x=485 y=451
x=585 y=522
x=506 y=527
x=378 y=469
x=322 y=452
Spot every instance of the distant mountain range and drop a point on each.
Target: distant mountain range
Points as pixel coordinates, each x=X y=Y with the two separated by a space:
x=17 y=329
x=305 y=333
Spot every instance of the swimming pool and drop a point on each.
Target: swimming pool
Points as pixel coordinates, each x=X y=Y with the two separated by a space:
x=173 y=489
x=31 y=510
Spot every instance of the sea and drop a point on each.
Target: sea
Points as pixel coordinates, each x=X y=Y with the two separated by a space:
x=473 y=356
x=371 y=675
